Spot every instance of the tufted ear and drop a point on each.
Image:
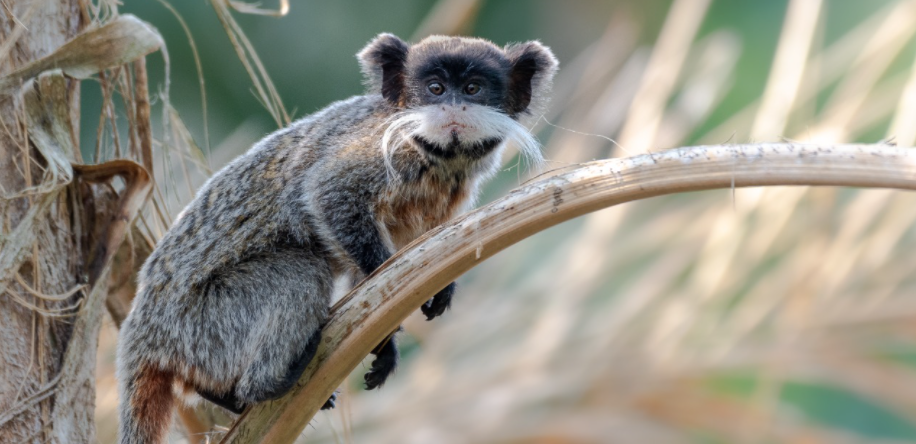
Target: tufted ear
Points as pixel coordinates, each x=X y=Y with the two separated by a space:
x=530 y=78
x=382 y=62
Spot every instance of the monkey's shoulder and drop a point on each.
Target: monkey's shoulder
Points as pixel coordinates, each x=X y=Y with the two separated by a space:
x=270 y=174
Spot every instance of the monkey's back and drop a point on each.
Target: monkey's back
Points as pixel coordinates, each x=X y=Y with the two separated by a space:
x=259 y=201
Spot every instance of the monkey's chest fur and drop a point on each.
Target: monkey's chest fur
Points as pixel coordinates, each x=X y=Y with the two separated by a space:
x=411 y=209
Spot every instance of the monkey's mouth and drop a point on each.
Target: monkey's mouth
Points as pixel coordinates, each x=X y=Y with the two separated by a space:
x=453 y=125
x=455 y=147
x=455 y=129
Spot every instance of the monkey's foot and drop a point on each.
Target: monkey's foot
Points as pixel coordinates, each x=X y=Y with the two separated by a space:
x=331 y=402
x=439 y=303
x=386 y=360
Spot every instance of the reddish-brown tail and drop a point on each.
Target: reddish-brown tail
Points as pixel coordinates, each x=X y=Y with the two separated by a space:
x=146 y=405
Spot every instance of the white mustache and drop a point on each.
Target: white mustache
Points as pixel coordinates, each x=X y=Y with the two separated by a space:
x=475 y=123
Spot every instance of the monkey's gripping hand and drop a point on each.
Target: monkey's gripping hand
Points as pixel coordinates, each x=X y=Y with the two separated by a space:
x=386 y=361
x=439 y=303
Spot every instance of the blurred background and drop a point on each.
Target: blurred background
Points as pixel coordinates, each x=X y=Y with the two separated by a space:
x=779 y=315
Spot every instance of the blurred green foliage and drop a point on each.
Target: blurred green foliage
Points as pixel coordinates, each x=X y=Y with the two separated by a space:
x=310 y=52
x=828 y=405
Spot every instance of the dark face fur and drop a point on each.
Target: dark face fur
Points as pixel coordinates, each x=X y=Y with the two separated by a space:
x=456 y=71
x=459 y=96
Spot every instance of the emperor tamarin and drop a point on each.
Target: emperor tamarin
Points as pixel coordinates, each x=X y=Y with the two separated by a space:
x=231 y=302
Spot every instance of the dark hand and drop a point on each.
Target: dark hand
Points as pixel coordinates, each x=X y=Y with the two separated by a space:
x=386 y=361
x=439 y=303
x=331 y=402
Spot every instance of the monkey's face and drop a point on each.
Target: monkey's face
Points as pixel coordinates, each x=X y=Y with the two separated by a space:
x=454 y=87
x=459 y=97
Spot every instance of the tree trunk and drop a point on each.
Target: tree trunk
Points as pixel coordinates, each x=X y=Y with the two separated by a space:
x=39 y=211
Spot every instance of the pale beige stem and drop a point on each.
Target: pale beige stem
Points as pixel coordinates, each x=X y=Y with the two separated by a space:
x=381 y=302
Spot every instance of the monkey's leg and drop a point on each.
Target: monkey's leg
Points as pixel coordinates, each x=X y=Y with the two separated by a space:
x=296 y=368
x=227 y=401
x=232 y=403
x=386 y=361
x=255 y=325
x=294 y=372
x=294 y=288
x=439 y=303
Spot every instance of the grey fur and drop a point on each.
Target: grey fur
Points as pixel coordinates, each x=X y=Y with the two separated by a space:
x=233 y=292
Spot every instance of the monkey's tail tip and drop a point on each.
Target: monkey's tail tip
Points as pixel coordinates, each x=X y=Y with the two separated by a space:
x=146 y=406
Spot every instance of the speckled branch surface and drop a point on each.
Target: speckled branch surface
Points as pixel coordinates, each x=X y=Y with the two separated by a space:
x=382 y=301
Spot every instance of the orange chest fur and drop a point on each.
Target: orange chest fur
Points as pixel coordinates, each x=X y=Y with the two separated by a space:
x=408 y=210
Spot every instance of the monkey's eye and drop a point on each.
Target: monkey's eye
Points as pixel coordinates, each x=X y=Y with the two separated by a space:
x=472 y=88
x=436 y=88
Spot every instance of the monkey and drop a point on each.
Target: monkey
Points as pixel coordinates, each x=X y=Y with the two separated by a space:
x=231 y=302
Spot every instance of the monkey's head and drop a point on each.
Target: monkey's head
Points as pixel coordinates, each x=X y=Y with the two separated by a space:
x=459 y=96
